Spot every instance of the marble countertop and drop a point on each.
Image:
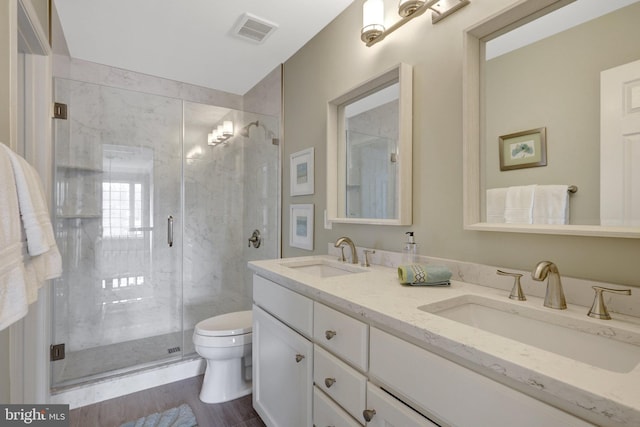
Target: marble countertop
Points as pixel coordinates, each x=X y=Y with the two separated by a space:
x=375 y=296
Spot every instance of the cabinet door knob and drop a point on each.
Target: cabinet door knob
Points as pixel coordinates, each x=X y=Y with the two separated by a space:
x=368 y=414
x=330 y=334
x=329 y=382
x=299 y=358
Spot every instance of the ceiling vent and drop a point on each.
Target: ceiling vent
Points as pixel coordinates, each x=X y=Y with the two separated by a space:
x=255 y=29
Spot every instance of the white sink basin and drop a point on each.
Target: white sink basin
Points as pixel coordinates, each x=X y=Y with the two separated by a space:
x=323 y=267
x=602 y=345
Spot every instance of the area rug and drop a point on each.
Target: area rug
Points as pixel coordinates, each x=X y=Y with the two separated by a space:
x=181 y=416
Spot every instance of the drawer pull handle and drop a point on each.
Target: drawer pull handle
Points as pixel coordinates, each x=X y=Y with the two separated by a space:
x=299 y=358
x=330 y=334
x=368 y=414
x=329 y=382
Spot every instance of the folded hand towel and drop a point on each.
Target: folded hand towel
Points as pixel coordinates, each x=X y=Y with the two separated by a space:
x=496 y=199
x=13 y=296
x=42 y=260
x=519 y=205
x=33 y=206
x=551 y=204
x=416 y=274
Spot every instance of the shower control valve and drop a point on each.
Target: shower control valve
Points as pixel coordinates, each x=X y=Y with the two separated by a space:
x=255 y=239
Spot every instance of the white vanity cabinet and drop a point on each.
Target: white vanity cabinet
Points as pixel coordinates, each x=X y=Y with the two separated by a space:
x=282 y=355
x=453 y=394
x=314 y=365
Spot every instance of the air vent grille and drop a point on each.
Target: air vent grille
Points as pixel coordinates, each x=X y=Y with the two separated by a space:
x=255 y=29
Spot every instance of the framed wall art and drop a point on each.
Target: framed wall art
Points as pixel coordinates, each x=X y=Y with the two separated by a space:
x=527 y=149
x=301 y=176
x=301 y=226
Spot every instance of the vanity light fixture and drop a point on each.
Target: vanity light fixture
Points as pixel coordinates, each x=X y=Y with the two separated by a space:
x=221 y=133
x=373 y=29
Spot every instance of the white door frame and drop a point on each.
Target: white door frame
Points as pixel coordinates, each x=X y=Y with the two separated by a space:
x=30 y=337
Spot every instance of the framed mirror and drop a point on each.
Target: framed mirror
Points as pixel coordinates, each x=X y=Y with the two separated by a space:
x=369 y=148
x=556 y=83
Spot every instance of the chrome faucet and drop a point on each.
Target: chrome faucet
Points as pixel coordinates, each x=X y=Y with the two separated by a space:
x=345 y=240
x=554 y=297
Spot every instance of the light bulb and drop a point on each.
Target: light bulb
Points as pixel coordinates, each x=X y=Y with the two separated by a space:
x=227 y=128
x=372 y=19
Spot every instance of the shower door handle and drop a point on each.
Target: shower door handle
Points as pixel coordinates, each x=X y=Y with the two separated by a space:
x=170 y=230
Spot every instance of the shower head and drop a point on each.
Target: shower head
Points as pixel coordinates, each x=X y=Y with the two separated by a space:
x=244 y=131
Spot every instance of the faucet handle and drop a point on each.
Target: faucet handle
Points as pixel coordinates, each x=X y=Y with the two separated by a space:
x=598 y=308
x=367 y=252
x=516 y=291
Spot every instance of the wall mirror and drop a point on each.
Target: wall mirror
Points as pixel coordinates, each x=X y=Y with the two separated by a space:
x=566 y=81
x=369 y=145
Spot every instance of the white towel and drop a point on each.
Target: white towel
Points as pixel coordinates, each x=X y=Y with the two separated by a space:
x=551 y=204
x=496 y=199
x=519 y=205
x=33 y=206
x=13 y=288
x=41 y=260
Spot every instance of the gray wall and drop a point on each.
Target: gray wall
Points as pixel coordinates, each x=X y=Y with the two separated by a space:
x=335 y=61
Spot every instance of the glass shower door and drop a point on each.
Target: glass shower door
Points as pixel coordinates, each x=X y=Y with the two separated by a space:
x=118 y=215
x=230 y=190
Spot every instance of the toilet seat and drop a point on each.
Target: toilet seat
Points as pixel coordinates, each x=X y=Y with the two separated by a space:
x=225 y=325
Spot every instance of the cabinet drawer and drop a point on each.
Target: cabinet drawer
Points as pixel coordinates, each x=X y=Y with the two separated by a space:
x=343 y=335
x=293 y=309
x=452 y=394
x=390 y=412
x=328 y=414
x=341 y=382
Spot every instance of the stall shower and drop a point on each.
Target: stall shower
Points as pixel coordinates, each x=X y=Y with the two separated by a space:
x=153 y=224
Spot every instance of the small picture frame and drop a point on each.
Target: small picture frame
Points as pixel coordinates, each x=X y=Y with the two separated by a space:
x=527 y=149
x=301 y=226
x=301 y=176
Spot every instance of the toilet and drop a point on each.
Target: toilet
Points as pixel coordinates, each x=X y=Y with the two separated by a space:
x=225 y=343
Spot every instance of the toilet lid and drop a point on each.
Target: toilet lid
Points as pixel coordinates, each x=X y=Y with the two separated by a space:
x=236 y=323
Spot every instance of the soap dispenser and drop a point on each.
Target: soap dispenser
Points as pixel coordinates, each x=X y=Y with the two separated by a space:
x=410 y=250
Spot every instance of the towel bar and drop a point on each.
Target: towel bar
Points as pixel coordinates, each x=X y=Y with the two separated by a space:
x=573 y=189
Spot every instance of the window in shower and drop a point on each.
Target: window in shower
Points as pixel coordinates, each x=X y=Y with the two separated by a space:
x=121 y=210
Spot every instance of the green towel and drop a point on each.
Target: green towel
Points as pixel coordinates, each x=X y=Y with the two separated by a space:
x=416 y=274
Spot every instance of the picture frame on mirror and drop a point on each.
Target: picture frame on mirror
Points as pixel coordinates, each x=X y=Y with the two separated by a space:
x=526 y=149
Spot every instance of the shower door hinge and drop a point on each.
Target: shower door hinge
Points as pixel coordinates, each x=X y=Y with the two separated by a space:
x=59 y=111
x=57 y=352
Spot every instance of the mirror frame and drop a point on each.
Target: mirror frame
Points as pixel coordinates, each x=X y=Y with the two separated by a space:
x=403 y=73
x=472 y=89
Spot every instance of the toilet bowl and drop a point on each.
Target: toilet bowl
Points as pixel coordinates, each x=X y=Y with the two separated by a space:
x=225 y=343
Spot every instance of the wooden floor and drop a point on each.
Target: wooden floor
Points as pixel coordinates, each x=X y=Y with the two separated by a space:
x=114 y=412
